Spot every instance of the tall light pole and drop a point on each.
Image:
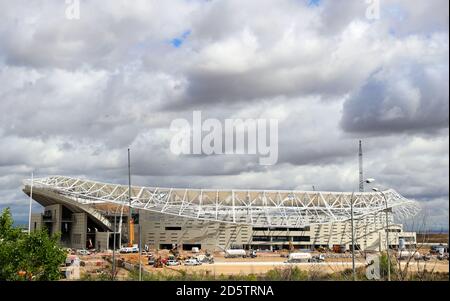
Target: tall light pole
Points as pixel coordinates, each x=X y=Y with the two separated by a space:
x=353 y=238
x=31 y=203
x=114 y=246
x=387 y=232
x=130 y=213
x=140 y=252
x=370 y=180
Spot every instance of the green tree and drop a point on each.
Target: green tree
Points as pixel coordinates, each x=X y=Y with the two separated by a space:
x=23 y=256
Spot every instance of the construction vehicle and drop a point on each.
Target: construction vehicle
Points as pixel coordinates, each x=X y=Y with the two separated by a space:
x=131 y=231
x=299 y=257
x=291 y=247
x=151 y=260
x=321 y=249
x=235 y=253
x=403 y=254
x=158 y=263
x=175 y=251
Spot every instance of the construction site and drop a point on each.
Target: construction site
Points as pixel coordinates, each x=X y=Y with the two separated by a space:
x=170 y=232
x=169 y=264
x=118 y=229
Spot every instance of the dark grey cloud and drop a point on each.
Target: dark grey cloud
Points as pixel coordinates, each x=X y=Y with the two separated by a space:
x=75 y=94
x=401 y=98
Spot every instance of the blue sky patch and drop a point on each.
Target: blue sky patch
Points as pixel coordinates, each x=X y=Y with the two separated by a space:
x=178 y=41
x=314 y=2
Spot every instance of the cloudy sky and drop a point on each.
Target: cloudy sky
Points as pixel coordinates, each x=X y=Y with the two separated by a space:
x=76 y=93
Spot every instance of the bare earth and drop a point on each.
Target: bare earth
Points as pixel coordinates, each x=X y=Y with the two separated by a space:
x=261 y=265
x=266 y=262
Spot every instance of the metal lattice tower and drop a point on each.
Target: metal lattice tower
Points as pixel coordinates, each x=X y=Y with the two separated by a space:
x=361 y=175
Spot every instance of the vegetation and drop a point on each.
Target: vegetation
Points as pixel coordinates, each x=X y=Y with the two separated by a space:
x=284 y=274
x=24 y=256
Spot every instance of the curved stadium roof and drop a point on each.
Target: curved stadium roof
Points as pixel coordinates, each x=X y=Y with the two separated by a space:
x=251 y=207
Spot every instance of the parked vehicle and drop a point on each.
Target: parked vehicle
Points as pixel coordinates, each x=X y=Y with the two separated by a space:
x=133 y=249
x=151 y=260
x=403 y=254
x=235 y=253
x=172 y=263
x=299 y=257
x=83 y=252
x=318 y=258
x=426 y=257
x=205 y=258
x=192 y=262
x=125 y=250
x=439 y=249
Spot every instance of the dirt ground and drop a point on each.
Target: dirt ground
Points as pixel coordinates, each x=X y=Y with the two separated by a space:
x=245 y=268
x=432 y=238
x=268 y=261
x=239 y=268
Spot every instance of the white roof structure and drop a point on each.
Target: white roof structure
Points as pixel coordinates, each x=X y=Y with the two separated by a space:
x=247 y=207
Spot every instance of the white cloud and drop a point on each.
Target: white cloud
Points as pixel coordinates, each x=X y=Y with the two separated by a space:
x=75 y=94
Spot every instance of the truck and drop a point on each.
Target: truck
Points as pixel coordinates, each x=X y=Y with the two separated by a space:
x=318 y=258
x=235 y=253
x=403 y=254
x=133 y=249
x=299 y=257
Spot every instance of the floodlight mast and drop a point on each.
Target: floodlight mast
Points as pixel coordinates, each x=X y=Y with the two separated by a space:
x=370 y=180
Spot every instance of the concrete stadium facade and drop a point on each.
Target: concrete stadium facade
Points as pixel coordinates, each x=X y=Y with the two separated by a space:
x=86 y=217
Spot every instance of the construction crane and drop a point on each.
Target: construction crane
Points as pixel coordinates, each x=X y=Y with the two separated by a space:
x=130 y=209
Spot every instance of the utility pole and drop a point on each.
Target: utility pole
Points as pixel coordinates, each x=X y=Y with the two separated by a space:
x=31 y=203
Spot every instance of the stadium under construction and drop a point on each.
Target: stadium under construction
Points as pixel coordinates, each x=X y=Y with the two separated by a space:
x=87 y=214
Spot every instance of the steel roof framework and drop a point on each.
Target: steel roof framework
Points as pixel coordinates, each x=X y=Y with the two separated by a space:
x=247 y=207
